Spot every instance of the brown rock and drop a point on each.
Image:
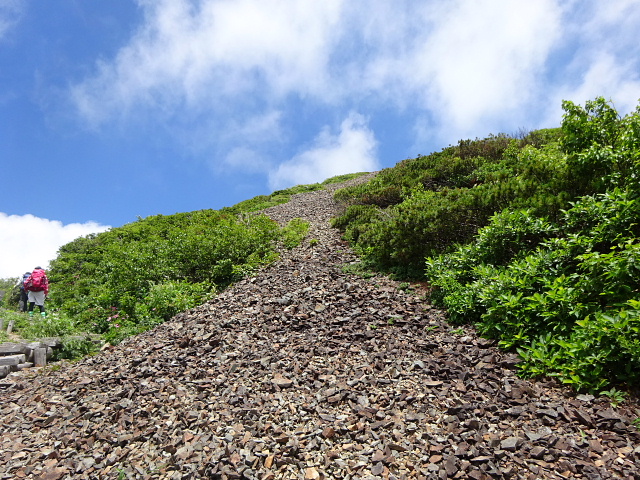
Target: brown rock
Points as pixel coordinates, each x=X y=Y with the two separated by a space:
x=328 y=432
x=311 y=474
x=282 y=381
x=258 y=384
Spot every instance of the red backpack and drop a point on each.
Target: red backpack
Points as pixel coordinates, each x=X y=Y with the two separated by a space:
x=36 y=282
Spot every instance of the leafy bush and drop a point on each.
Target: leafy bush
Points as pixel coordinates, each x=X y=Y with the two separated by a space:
x=75 y=348
x=9 y=293
x=294 y=232
x=165 y=300
x=533 y=238
x=75 y=343
x=131 y=278
x=562 y=289
x=31 y=328
x=423 y=206
x=600 y=348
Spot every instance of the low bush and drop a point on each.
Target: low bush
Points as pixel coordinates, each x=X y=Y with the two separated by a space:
x=562 y=290
x=128 y=279
x=423 y=207
x=533 y=238
x=75 y=342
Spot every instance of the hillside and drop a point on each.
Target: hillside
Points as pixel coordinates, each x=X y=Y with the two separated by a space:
x=305 y=371
x=532 y=238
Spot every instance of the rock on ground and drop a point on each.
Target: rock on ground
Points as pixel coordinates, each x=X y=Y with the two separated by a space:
x=306 y=372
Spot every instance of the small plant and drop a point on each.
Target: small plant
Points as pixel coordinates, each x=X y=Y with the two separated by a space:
x=358 y=269
x=430 y=328
x=313 y=242
x=294 y=232
x=373 y=326
x=616 y=397
x=404 y=286
x=457 y=331
x=636 y=423
x=391 y=321
x=75 y=348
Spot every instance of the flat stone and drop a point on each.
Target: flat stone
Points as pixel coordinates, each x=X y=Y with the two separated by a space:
x=538 y=452
x=510 y=444
x=281 y=381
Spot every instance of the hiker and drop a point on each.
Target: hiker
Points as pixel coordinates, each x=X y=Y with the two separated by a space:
x=22 y=304
x=37 y=286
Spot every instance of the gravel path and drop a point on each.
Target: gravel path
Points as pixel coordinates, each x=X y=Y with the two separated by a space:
x=306 y=372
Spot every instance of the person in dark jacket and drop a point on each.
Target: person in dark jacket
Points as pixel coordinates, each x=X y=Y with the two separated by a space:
x=24 y=301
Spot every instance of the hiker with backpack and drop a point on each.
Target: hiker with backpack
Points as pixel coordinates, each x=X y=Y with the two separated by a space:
x=23 y=301
x=37 y=287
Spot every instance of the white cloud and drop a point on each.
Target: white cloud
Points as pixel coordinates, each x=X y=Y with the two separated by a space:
x=186 y=54
x=483 y=61
x=601 y=57
x=462 y=68
x=352 y=150
x=611 y=79
x=608 y=65
x=465 y=59
x=10 y=12
x=27 y=241
x=247 y=160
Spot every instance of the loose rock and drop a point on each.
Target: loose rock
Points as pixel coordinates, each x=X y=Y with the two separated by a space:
x=305 y=371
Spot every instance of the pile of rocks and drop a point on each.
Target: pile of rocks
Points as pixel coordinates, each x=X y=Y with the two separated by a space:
x=306 y=372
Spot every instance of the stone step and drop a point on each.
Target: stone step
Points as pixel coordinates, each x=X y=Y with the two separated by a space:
x=13 y=359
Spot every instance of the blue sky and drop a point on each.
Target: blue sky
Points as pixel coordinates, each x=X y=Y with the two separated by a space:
x=110 y=111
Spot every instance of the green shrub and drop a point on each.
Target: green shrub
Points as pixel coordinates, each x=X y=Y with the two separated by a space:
x=562 y=289
x=55 y=324
x=294 y=232
x=75 y=348
x=168 y=263
x=424 y=206
x=601 y=347
x=165 y=300
x=9 y=293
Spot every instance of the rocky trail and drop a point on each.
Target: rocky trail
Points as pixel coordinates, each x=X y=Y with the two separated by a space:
x=306 y=372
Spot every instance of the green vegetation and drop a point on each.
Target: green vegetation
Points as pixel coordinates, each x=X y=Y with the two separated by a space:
x=129 y=279
x=124 y=281
x=424 y=205
x=532 y=239
x=616 y=397
x=294 y=233
x=342 y=178
x=278 y=197
x=8 y=293
x=75 y=342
